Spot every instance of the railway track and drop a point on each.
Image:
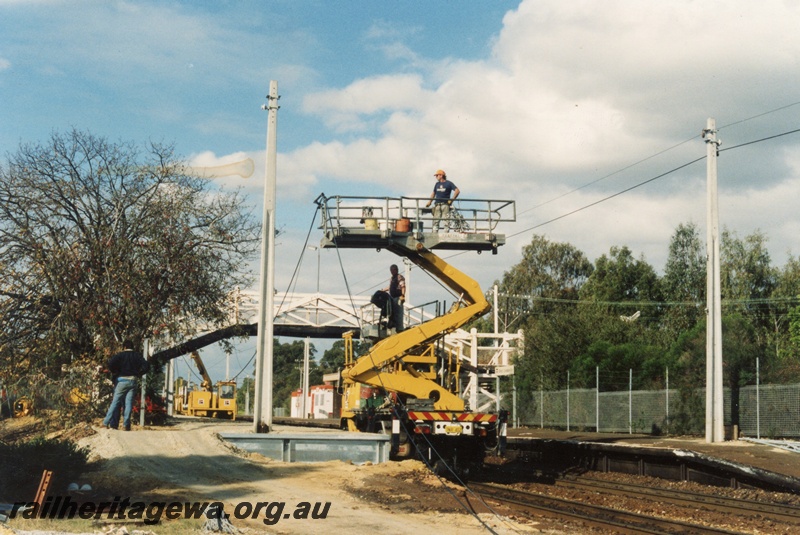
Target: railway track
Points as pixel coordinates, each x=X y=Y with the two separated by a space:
x=789 y=514
x=588 y=515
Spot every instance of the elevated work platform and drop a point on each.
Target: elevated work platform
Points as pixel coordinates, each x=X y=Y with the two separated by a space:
x=370 y=222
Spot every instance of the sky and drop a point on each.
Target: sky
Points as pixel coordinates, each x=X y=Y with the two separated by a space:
x=571 y=109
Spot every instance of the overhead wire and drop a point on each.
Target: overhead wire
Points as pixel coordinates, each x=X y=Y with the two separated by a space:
x=609 y=175
x=741 y=121
x=626 y=190
x=740 y=145
x=774 y=110
x=246 y=365
x=758 y=301
x=657 y=177
x=293 y=279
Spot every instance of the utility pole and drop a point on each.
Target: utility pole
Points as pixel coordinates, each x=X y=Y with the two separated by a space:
x=306 y=387
x=262 y=413
x=143 y=380
x=715 y=429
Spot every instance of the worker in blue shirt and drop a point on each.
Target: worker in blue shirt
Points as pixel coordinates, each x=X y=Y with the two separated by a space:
x=440 y=197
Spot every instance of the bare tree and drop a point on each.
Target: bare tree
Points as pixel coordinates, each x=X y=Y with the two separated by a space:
x=101 y=241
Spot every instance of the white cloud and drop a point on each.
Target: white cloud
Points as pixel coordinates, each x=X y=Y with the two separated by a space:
x=575 y=91
x=345 y=109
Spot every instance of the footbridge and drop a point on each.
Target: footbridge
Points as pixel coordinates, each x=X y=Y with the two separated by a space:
x=486 y=356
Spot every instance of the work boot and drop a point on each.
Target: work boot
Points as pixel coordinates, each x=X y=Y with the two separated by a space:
x=127 y=428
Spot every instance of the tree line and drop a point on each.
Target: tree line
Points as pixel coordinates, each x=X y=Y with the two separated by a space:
x=618 y=314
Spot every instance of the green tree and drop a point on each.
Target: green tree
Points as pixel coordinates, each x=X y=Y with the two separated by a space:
x=551 y=341
x=547 y=271
x=288 y=370
x=687 y=357
x=540 y=294
x=333 y=359
x=684 y=282
x=619 y=278
x=784 y=322
x=615 y=362
x=101 y=241
x=246 y=393
x=748 y=279
x=688 y=375
x=745 y=269
x=790 y=357
x=740 y=349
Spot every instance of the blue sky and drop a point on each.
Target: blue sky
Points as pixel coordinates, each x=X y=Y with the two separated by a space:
x=528 y=100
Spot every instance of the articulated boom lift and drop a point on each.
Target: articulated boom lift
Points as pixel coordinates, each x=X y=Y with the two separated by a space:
x=407 y=382
x=405 y=353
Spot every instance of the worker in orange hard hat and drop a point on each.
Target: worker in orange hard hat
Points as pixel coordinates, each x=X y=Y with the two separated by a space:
x=441 y=199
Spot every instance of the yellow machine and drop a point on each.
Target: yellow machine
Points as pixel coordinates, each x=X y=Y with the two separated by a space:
x=219 y=402
x=408 y=362
x=408 y=382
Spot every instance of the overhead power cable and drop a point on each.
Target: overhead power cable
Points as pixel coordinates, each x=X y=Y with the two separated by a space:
x=781 y=108
x=728 y=302
x=648 y=181
x=760 y=140
x=293 y=280
x=626 y=190
x=634 y=164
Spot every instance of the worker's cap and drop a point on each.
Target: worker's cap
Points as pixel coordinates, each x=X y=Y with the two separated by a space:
x=439 y=172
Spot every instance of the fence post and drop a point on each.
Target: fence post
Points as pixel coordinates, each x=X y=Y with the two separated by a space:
x=630 y=401
x=515 y=417
x=567 y=400
x=667 y=375
x=758 y=401
x=597 y=399
x=541 y=403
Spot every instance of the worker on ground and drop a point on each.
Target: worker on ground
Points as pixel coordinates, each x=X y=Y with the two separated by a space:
x=441 y=200
x=126 y=367
x=397 y=291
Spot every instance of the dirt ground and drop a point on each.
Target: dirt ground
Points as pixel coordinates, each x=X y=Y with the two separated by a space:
x=187 y=461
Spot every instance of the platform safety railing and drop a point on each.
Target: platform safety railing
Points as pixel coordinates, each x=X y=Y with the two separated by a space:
x=410 y=214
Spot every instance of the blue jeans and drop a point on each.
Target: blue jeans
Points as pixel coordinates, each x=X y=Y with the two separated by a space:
x=124 y=391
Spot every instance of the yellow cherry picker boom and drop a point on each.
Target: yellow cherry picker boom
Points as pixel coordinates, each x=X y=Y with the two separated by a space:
x=415 y=376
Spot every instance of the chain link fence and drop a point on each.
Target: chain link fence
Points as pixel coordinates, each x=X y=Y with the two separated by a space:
x=765 y=411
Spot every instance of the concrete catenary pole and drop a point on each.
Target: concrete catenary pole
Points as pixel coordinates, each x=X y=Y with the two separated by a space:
x=305 y=386
x=142 y=381
x=715 y=430
x=262 y=414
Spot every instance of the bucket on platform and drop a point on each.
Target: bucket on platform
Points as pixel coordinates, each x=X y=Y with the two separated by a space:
x=371 y=224
x=403 y=225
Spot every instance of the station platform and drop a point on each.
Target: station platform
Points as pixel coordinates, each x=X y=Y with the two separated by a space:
x=765 y=464
x=772 y=465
